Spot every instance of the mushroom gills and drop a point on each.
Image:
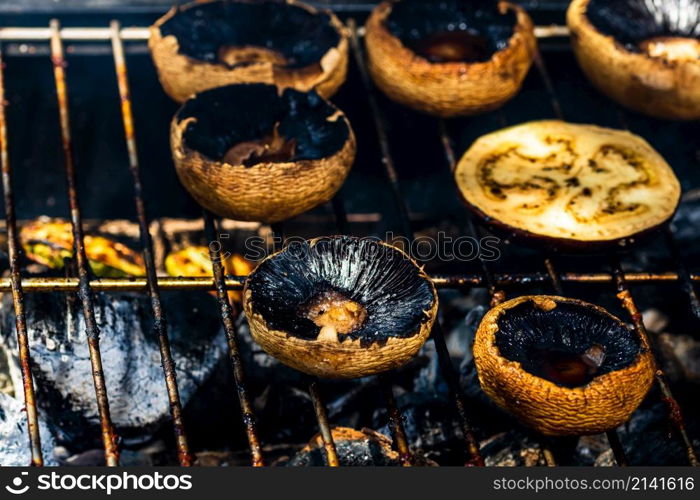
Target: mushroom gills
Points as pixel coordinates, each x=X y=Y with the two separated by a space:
x=635 y=22
x=453 y=46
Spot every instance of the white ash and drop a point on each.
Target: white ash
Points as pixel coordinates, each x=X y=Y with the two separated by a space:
x=14 y=438
x=130 y=355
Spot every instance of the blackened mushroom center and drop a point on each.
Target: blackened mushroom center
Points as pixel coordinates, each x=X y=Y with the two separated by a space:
x=455 y=46
x=238 y=32
x=248 y=124
x=452 y=30
x=569 y=344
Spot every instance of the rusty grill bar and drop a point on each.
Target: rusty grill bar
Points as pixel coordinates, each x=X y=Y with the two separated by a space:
x=84 y=291
x=84 y=286
x=160 y=326
x=16 y=284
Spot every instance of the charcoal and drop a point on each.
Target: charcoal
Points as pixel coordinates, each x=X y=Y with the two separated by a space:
x=14 y=439
x=130 y=357
x=511 y=449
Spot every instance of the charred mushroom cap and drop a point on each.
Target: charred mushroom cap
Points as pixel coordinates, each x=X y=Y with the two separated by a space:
x=566 y=185
x=248 y=153
x=450 y=57
x=50 y=242
x=643 y=54
x=562 y=366
x=200 y=46
x=340 y=307
x=355 y=448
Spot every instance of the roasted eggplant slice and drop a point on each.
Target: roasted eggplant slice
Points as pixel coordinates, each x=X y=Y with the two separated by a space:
x=14 y=444
x=50 y=242
x=643 y=54
x=195 y=261
x=450 y=57
x=355 y=449
x=200 y=46
x=562 y=366
x=340 y=307
x=273 y=158
x=568 y=185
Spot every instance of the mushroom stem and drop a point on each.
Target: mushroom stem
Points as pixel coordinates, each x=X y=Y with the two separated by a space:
x=328 y=334
x=594 y=357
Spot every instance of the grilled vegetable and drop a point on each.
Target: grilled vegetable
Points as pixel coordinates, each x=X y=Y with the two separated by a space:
x=195 y=261
x=562 y=366
x=340 y=307
x=50 y=242
x=643 y=54
x=198 y=46
x=574 y=186
x=452 y=57
x=277 y=156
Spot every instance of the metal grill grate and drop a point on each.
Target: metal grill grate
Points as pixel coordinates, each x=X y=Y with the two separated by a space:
x=494 y=282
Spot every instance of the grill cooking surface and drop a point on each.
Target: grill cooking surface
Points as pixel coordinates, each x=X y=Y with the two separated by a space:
x=401 y=183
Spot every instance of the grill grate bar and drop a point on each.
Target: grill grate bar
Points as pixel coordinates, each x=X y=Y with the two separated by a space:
x=398 y=433
x=683 y=273
x=42 y=285
x=674 y=409
x=227 y=319
x=443 y=353
x=625 y=296
x=612 y=435
x=497 y=296
x=314 y=391
x=324 y=425
x=16 y=285
x=160 y=325
x=85 y=295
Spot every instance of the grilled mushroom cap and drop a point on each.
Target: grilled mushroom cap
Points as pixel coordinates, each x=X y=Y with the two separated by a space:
x=450 y=58
x=643 y=54
x=355 y=448
x=568 y=185
x=50 y=241
x=247 y=153
x=200 y=46
x=561 y=366
x=340 y=307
